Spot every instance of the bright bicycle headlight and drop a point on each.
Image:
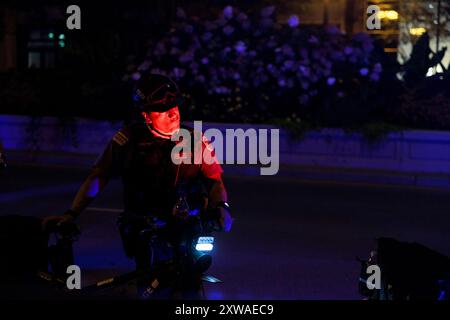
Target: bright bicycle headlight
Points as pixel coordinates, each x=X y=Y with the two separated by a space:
x=201 y=256
x=205 y=244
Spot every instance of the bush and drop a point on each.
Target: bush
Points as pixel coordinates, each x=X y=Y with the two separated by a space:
x=433 y=112
x=242 y=67
x=251 y=68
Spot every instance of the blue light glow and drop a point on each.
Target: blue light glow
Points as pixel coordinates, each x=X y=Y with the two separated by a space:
x=205 y=244
x=293 y=21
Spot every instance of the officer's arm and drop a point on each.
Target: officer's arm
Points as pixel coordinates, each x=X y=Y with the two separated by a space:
x=217 y=193
x=105 y=167
x=212 y=171
x=217 y=199
x=91 y=187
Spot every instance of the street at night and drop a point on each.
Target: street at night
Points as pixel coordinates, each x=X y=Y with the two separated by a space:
x=291 y=239
x=243 y=158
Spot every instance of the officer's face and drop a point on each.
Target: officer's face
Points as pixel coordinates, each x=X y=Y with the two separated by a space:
x=165 y=122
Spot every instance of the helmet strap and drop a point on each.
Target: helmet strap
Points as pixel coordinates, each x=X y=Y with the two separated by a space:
x=158 y=133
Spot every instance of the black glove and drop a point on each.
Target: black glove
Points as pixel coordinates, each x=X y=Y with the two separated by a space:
x=53 y=222
x=219 y=218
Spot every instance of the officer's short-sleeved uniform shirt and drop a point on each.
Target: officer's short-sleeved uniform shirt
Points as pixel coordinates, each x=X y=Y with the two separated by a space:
x=150 y=178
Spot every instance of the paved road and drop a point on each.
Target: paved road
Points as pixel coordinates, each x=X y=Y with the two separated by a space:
x=291 y=239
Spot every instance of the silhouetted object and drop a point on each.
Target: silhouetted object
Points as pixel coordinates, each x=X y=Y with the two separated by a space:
x=23 y=248
x=409 y=271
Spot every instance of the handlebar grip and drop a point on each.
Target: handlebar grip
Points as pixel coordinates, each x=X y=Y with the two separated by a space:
x=66 y=230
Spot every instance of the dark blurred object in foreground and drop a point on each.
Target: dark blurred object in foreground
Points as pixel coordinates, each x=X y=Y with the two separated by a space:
x=409 y=271
x=23 y=247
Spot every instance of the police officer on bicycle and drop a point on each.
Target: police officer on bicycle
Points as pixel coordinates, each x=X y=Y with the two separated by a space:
x=140 y=154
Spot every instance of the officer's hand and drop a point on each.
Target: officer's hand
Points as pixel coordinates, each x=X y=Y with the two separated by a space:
x=52 y=222
x=219 y=220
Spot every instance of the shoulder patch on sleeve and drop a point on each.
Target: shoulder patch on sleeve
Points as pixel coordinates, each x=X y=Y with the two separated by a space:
x=121 y=138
